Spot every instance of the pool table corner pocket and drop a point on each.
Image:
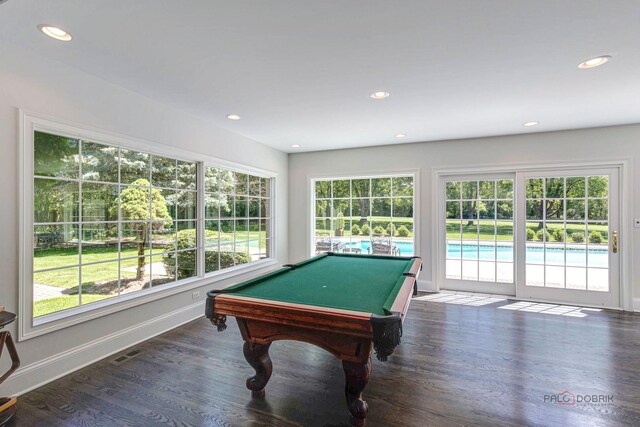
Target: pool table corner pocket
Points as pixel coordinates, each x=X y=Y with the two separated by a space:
x=218 y=320
x=387 y=331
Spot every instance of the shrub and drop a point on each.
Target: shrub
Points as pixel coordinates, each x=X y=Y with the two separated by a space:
x=595 y=237
x=541 y=234
x=391 y=229
x=187 y=259
x=559 y=235
x=355 y=230
x=577 y=237
x=403 y=231
x=378 y=230
x=531 y=234
x=366 y=230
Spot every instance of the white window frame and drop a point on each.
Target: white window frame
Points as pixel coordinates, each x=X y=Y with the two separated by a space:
x=30 y=327
x=311 y=201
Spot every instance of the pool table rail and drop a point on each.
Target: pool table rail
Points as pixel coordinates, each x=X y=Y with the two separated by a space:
x=344 y=333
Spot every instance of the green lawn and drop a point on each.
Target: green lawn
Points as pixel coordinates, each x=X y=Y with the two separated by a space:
x=484 y=230
x=376 y=221
x=108 y=257
x=51 y=305
x=68 y=278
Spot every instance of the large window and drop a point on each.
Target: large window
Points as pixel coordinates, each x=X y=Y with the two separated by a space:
x=372 y=215
x=110 y=221
x=237 y=218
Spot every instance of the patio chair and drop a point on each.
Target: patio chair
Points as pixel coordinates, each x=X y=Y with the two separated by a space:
x=381 y=245
x=325 y=244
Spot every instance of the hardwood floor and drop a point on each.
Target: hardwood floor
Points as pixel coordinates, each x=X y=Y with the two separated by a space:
x=457 y=365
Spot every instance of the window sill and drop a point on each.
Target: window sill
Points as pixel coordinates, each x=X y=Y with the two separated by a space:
x=63 y=319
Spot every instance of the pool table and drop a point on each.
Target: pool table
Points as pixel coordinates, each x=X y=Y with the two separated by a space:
x=346 y=304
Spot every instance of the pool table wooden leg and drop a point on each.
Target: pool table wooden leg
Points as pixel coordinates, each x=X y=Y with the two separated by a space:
x=357 y=377
x=258 y=357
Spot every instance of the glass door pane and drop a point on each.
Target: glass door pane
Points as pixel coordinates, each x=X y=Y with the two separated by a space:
x=479 y=233
x=567 y=220
x=567 y=232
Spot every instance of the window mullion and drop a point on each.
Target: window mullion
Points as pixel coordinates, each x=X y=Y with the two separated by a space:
x=200 y=269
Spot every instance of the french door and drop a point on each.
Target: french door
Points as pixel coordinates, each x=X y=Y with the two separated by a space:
x=567 y=239
x=549 y=235
x=478 y=238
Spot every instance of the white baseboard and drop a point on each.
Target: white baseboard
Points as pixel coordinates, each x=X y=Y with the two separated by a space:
x=426 y=286
x=44 y=371
x=636 y=304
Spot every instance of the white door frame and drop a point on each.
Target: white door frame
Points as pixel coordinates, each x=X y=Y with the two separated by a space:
x=610 y=299
x=625 y=244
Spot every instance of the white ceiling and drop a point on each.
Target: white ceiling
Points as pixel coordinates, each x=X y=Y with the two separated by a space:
x=300 y=72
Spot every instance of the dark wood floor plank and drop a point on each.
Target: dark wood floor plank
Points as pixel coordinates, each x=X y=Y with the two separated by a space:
x=457 y=366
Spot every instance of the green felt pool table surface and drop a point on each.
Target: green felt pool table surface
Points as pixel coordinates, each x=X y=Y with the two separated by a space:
x=366 y=283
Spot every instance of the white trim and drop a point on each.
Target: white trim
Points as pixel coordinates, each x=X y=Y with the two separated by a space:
x=427 y=286
x=415 y=173
x=528 y=166
x=636 y=305
x=64 y=319
x=53 y=367
x=626 y=231
x=29 y=327
x=102 y=136
x=437 y=276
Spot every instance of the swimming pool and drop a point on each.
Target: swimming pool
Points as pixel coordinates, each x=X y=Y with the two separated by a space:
x=572 y=255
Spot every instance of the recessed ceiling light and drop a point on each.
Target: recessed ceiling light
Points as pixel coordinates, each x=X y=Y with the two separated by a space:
x=379 y=94
x=595 y=62
x=233 y=117
x=530 y=124
x=296 y=145
x=401 y=135
x=55 y=32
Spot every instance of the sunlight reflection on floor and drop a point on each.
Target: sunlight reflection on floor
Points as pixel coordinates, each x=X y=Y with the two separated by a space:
x=486 y=299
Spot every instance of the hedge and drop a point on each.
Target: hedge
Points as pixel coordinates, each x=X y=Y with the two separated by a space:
x=187 y=259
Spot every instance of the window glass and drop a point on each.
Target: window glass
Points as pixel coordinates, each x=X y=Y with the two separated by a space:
x=237 y=230
x=372 y=215
x=109 y=221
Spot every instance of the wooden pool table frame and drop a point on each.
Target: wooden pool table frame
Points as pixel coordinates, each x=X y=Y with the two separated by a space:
x=348 y=335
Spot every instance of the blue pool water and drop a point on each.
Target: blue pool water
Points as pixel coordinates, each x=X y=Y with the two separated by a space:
x=536 y=254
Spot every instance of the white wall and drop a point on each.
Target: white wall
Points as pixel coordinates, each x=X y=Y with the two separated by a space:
x=598 y=144
x=55 y=90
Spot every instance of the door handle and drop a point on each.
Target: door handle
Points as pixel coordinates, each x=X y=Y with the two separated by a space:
x=614 y=242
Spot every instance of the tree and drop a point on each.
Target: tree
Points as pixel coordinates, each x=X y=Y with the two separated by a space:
x=340 y=224
x=360 y=191
x=573 y=188
x=134 y=203
x=469 y=207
